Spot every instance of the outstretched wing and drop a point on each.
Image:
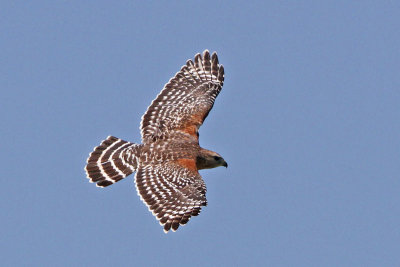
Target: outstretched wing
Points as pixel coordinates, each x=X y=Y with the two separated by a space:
x=186 y=99
x=172 y=192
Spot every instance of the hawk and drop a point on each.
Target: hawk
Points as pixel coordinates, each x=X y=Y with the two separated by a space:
x=169 y=158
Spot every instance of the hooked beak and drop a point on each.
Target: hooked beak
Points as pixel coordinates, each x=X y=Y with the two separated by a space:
x=225 y=164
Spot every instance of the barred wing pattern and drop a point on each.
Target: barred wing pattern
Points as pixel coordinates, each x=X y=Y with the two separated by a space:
x=186 y=99
x=111 y=161
x=166 y=163
x=172 y=193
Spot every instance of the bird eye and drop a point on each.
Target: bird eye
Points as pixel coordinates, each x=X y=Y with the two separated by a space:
x=217 y=158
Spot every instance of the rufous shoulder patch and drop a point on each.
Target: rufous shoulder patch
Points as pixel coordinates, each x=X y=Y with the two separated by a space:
x=192 y=130
x=188 y=163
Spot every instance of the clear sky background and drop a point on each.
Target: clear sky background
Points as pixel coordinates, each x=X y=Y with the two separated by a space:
x=308 y=121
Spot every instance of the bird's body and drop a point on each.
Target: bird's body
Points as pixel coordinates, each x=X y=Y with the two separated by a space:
x=168 y=160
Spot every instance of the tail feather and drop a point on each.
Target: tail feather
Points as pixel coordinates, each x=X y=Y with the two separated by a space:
x=111 y=161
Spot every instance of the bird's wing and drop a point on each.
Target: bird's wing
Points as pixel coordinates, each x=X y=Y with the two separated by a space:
x=173 y=191
x=185 y=101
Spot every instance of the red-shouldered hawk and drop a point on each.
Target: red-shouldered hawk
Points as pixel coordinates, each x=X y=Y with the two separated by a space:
x=168 y=160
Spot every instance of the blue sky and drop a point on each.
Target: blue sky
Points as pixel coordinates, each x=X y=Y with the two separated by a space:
x=308 y=121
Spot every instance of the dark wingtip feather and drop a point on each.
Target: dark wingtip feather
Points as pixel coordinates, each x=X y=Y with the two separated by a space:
x=221 y=74
x=175 y=226
x=206 y=55
x=207 y=64
x=197 y=58
x=214 y=58
x=167 y=227
x=163 y=220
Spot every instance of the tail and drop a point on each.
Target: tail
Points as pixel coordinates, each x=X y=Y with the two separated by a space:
x=111 y=161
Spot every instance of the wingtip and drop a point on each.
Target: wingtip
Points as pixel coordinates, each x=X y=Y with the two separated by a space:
x=214 y=57
x=206 y=54
x=197 y=58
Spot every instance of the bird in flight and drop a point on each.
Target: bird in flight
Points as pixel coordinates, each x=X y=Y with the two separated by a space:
x=169 y=158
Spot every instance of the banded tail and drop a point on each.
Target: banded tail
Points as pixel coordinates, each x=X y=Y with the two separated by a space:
x=111 y=161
